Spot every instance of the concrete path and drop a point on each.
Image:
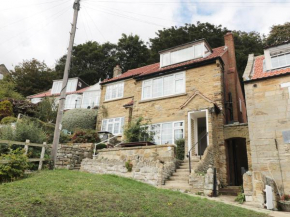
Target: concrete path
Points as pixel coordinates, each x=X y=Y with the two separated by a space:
x=231 y=201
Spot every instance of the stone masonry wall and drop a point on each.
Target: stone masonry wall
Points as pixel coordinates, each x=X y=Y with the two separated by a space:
x=268 y=108
x=70 y=156
x=151 y=164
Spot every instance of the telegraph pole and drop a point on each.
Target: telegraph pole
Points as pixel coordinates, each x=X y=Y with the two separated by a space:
x=58 y=126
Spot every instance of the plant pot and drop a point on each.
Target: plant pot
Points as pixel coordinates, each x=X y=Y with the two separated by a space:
x=284 y=205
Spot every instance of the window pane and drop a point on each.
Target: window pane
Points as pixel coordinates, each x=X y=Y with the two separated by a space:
x=182 y=55
x=116 y=128
x=110 y=127
x=179 y=86
x=104 y=125
x=288 y=58
x=178 y=124
x=155 y=129
x=274 y=61
x=108 y=93
x=282 y=60
x=198 y=50
x=167 y=85
x=178 y=134
x=114 y=92
x=120 y=89
x=166 y=134
x=157 y=87
x=165 y=59
x=146 y=92
x=122 y=125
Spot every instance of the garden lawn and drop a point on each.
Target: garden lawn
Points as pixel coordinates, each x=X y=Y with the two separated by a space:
x=73 y=193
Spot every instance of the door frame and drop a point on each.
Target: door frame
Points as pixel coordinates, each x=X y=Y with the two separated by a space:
x=190 y=113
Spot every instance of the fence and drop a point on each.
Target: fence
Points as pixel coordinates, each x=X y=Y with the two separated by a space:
x=26 y=146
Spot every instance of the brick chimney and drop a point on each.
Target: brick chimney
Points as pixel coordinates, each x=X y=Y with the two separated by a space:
x=117 y=71
x=229 y=42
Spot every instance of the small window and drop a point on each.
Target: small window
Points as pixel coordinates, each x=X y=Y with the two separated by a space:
x=114 y=91
x=280 y=61
x=113 y=125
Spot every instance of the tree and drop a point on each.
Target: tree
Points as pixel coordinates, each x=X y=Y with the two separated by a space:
x=132 y=52
x=46 y=110
x=6 y=109
x=32 y=76
x=90 y=61
x=8 y=89
x=175 y=36
x=279 y=34
x=245 y=44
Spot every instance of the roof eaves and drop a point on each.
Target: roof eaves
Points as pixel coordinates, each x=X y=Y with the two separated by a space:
x=268 y=77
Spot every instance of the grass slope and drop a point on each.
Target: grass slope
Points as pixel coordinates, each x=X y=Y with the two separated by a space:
x=72 y=193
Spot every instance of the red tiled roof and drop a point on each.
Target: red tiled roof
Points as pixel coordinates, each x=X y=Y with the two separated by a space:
x=155 y=68
x=48 y=93
x=258 y=70
x=129 y=104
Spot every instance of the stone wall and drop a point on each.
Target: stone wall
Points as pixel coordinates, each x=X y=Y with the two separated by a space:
x=70 y=156
x=151 y=164
x=268 y=108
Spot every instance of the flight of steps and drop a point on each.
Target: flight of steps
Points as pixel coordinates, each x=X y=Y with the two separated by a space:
x=179 y=179
x=230 y=190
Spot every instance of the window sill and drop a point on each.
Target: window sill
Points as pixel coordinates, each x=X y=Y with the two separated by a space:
x=163 y=97
x=111 y=100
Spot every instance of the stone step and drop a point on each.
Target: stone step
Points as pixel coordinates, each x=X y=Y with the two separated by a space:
x=229 y=191
x=178 y=187
x=174 y=182
x=182 y=170
x=186 y=166
x=181 y=173
x=179 y=178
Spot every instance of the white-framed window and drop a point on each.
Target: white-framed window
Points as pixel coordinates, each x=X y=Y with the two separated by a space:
x=183 y=54
x=56 y=87
x=167 y=133
x=280 y=61
x=72 y=101
x=91 y=99
x=71 y=86
x=113 y=125
x=163 y=86
x=114 y=91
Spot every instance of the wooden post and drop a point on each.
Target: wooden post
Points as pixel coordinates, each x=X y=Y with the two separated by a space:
x=26 y=146
x=42 y=156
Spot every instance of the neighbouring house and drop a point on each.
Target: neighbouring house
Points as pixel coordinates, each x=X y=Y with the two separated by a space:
x=193 y=93
x=3 y=71
x=267 y=90
x=78 y=94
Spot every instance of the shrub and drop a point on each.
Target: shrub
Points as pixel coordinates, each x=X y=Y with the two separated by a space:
x=29 y=130
x=46 y=110
x=8 y=120
x=101 y=146
x=79 y=119
x=137 y=131
x=85 y=136
x=240 y=198
x=285 y=197
x=180 y=143
x=17 y=163
x=129 y=166
x=6 y=109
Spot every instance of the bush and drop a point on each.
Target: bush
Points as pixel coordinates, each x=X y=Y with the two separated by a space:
x=180 y=143
x=137 y=131
x=6 y=109
x=101 y=146
x=79 y=119
x=85 y=136
x=46 y=110
x=14 y=169
x=129 y=166
x=8 y=120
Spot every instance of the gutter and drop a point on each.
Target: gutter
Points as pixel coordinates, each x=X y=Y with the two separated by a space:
x=265 y=78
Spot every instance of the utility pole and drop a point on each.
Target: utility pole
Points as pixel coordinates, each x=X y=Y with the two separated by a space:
x=58 y=126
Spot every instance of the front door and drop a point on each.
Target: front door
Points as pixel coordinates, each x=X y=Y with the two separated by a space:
x=237 y=160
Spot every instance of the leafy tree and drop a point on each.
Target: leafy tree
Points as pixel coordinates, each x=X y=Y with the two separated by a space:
x=132 y=52
x=32 y=76
x=279 y=34
x=175 y=36
x=137 y=131
x=246 y=43
x=90 y=61
x=22 y=107
x=8 y=89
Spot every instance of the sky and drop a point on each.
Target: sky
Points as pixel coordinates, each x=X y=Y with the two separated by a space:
x=40 y=28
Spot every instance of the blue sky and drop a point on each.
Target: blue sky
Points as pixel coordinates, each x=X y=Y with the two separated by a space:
x=40 y=28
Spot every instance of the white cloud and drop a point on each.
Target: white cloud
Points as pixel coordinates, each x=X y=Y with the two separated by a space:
x=41 y=30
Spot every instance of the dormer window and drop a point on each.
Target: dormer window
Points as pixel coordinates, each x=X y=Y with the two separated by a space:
x=184 y=53
x=280 y=61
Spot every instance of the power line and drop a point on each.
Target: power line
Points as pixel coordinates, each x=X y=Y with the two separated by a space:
x=24 y=6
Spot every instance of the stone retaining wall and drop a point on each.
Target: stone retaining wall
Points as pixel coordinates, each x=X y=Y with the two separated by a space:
x=151 y=164
x=70 y=155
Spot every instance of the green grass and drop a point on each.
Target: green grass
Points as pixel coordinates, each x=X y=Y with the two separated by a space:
x=72 y=193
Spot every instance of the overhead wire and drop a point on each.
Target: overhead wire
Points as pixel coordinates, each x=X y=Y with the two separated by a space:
x=29 y=5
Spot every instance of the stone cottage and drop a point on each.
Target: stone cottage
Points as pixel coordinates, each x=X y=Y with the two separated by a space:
x=193 y=93
x=267 y=90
